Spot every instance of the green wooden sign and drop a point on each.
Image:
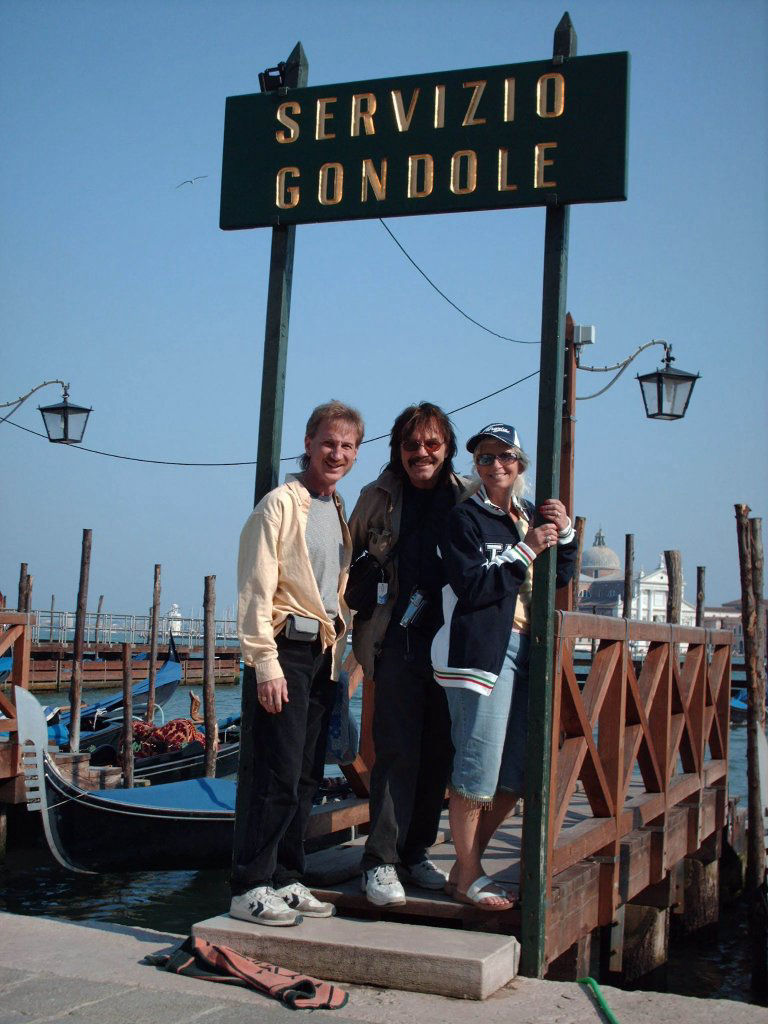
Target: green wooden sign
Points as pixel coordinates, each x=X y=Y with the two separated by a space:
x=486 y=138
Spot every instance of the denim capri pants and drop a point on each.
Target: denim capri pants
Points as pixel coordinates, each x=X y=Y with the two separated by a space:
x=489 y=731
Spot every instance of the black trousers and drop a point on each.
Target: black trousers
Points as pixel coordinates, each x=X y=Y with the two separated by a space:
x=412 y=738
x=287 y=759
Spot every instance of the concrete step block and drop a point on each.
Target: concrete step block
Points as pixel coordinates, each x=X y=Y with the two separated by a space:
x=415 y=958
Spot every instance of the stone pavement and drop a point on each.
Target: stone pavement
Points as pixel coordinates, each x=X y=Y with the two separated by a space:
x=91 y=973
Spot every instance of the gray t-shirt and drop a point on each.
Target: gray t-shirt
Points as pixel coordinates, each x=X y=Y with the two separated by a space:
x=326 y=550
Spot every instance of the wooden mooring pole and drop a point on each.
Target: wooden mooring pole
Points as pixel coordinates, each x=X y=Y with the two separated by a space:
x=675 y=584
x=579 y=525
x=701 y=573
x=127 y=753
x=749 y=534
x=153 y=646
x=566 y=598
x=629 y=572
x=76 y=685
x=209 y=676
x=96 y=627
x=22 y=586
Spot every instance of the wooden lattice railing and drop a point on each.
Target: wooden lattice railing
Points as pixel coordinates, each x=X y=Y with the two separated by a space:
x=15 y=639
x=639 y=742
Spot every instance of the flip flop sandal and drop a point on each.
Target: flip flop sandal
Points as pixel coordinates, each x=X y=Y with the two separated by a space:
x=474 y=895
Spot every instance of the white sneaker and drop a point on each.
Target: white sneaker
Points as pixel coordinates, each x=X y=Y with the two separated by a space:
x=299 y=898
x=382 y=886
x=262 y=905
x=424 y=875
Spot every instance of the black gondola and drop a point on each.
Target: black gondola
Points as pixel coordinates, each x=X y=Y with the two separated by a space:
x=177 y=826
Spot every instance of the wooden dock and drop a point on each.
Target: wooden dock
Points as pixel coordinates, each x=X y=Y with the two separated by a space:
x=636 y=814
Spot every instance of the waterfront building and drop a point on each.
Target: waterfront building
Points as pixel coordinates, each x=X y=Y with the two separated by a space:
x=601 y=587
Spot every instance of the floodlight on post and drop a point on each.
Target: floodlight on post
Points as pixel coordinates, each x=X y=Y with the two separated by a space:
x=64 y=422
x=666 y=392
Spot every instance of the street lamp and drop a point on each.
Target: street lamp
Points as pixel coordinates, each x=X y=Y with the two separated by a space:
x=667 y=392
x=64 y=422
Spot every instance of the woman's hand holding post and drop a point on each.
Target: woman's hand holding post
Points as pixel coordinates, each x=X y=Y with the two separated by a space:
x=553 y=511
x=539 y=538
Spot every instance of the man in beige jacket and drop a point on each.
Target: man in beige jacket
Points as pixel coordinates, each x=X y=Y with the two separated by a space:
x=294 y=557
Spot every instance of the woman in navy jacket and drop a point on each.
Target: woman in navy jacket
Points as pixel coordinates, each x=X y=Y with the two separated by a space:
x=480 y=655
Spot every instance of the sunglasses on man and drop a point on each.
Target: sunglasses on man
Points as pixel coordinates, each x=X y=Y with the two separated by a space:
x=432 y=444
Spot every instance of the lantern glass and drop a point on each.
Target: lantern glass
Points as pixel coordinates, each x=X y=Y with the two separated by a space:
x=64 y=422
x=666 y=393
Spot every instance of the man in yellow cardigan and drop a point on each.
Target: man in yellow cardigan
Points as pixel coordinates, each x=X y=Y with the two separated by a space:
x=294 y=557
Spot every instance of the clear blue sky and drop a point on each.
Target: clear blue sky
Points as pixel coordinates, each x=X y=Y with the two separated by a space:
x=121 y=283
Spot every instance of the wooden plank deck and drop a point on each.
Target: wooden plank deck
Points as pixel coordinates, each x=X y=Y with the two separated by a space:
x=647 y=855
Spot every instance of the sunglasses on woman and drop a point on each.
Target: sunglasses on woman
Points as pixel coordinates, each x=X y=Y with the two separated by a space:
x=431 y=445
x=505 y=458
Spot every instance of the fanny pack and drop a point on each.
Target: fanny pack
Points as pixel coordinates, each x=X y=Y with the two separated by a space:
x=301 y=627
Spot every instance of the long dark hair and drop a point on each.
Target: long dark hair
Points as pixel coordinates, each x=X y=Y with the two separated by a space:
x=416 y=417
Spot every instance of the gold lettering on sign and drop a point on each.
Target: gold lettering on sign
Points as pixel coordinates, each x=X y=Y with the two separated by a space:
x=509 y=99
x=326 y=198
x=402 y=119
x=477 y=91
x=469 y=157
x=293 y=127
x=554 y=107
x=322 y=114
x=363 y=113
x=425 y=161
x=504 y=184
x=439 y=106
x=286 y=197
x=540 y=162
x=377 y=181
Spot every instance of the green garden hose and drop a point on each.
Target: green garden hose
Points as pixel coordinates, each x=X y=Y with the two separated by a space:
x=595 y=988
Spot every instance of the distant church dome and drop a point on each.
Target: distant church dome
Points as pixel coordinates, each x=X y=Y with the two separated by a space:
x=600 y=560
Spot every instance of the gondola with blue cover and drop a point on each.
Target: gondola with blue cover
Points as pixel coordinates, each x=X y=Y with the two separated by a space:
x=100 y=723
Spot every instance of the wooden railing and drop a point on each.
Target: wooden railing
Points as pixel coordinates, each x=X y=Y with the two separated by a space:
x=638 y=742
x=15 y=639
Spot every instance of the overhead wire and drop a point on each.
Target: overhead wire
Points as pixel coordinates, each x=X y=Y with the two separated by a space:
x=290 y=458
x=412 y=261
x=252 y=462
